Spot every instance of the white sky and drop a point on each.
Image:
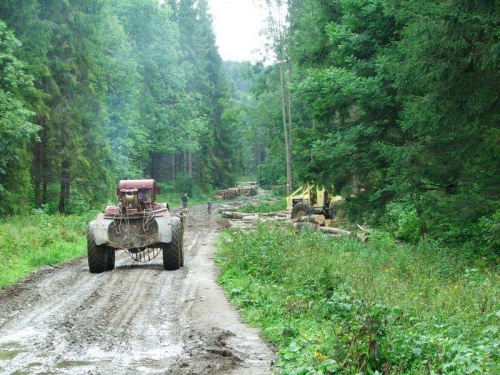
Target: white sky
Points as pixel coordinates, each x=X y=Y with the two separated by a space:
x=237 y=24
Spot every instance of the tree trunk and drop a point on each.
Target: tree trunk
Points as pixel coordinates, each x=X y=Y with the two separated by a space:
x=289 y=132
x=45 y=167
x=288 y=146
x=165 y=169
x=37 y=173
x=288 y=150
x=190 y=160
x=64 y=188
x=173 y=167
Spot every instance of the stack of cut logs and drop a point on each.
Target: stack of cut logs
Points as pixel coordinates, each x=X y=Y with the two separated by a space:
x=248 y=221
x=232 y=193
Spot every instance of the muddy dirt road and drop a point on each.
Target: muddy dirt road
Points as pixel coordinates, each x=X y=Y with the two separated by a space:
x=136 y=319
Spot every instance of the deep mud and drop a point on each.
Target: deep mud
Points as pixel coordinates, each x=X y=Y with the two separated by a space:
x=136 y=319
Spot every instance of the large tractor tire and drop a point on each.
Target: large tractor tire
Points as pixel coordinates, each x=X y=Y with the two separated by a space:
x=96 y=254
x=302 y=209
x=336 y=208
x=173 y=252
x=110 y=258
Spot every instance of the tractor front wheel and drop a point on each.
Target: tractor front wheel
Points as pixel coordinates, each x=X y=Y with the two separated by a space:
x=96 y=254
x=302 y=209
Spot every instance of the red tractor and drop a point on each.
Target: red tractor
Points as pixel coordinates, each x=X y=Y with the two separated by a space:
x=137 y=224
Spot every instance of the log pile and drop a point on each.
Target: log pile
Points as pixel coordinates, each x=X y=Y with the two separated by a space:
x=316 y=223
x=232 y=193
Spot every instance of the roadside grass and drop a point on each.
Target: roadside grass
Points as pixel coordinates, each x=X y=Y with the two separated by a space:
x=38 y=239
x=264 y=205
x=338 y=306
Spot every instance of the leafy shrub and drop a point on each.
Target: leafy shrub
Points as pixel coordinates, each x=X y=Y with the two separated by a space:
x=340 y=306
x=183 y=183
x=264 y=206
x=38 y=239
x=406 y=223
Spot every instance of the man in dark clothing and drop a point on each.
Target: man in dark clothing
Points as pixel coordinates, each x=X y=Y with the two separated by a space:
x=184 y=201
x=209 y=207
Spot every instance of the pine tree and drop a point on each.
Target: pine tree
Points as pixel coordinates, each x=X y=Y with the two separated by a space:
x=16 y=129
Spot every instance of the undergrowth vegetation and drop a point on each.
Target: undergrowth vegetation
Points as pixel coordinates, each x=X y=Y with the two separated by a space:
x=38 y=239
x=339 y=306
x=278 y=204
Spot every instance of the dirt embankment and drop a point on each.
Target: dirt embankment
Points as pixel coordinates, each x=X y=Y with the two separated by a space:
x=137 y=319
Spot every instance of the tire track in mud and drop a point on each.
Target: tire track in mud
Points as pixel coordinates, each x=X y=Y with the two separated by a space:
x=136 y=319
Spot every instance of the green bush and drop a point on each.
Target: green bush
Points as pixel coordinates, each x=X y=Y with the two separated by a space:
x=264 y=206
x=38 y=239
x=339 y=306
x=183 y=183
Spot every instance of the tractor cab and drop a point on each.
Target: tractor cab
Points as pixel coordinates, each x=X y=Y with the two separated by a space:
x=136 y=196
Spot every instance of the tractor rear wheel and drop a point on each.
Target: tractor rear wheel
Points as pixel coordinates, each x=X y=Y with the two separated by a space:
x=96 y=254
x=110 y=258
x=302 y=209
x=173 y=252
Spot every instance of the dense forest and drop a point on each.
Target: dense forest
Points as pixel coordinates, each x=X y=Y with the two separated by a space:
x=94 y=91
x=394 y=104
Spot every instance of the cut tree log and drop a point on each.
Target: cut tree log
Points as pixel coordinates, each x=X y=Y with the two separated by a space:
x=335 y=231
x=233 y=215
x=270 y=214
x=367 y=231
x=318 y=219
x=232 y=193
x=279 y=218
x=250 y=218
x=312 y=226
x=222 y=209
x=329 y=223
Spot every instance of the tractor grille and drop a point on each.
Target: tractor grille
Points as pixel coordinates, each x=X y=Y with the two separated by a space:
x=133 y=233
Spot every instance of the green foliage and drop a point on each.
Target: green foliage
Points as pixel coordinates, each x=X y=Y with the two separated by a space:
x=16 y=129
x=396 y=105
x=121 y=89
x=184 y=183
x=264 y=206
x=38 y=239
x=339 y=306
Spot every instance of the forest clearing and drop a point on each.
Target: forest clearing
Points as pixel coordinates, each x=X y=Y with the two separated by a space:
x=392 y=107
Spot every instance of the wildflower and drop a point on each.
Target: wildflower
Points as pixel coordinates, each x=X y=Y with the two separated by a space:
x=319 y=356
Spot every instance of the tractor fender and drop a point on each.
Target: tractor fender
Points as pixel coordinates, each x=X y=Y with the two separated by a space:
x=164 y=228
x=100 y=227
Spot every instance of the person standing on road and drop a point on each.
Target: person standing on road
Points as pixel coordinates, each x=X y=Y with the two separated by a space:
x=185 y=201
x=209 y=207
